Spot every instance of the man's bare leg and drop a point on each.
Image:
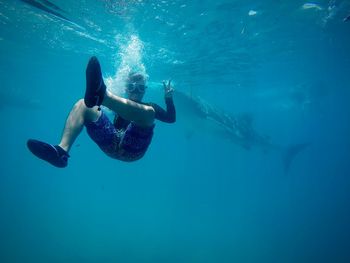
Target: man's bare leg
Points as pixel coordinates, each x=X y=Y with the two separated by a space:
x=57 y=155
x=142 y=115
x=75 y=123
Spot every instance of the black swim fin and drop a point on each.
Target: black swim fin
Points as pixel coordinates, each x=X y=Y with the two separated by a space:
x=53 y=154
x=95 y=87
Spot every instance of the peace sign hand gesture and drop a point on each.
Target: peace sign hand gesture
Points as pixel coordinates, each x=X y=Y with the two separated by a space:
x=168 y=90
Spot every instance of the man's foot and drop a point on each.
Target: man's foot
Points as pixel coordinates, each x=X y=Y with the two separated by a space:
x=53 y=154
x=95 y=87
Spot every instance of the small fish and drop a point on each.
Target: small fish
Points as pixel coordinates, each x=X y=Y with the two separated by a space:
x=311 y=6
x=347 y=19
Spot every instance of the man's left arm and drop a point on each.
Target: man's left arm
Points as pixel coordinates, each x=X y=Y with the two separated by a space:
x=168 y=115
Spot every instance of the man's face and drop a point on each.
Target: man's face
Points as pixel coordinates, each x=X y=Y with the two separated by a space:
x=135 y=89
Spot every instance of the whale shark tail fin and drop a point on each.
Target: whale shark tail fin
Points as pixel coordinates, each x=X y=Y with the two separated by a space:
x=291 y=152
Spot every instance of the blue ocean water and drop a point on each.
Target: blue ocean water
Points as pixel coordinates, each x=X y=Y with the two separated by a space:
x=196 y=196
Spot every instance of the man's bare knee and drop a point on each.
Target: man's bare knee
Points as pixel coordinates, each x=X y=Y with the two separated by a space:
x=89 y=114
x=80 y=104
x=79 y=107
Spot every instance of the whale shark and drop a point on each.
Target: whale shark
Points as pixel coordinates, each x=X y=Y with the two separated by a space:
x=239 y=128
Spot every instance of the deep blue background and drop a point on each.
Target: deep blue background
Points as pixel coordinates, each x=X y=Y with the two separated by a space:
x=194 y=197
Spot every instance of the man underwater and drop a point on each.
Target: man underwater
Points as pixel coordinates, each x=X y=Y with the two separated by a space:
x=127 y=138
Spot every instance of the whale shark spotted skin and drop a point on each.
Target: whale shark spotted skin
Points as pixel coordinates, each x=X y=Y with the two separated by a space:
x=238 y=129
